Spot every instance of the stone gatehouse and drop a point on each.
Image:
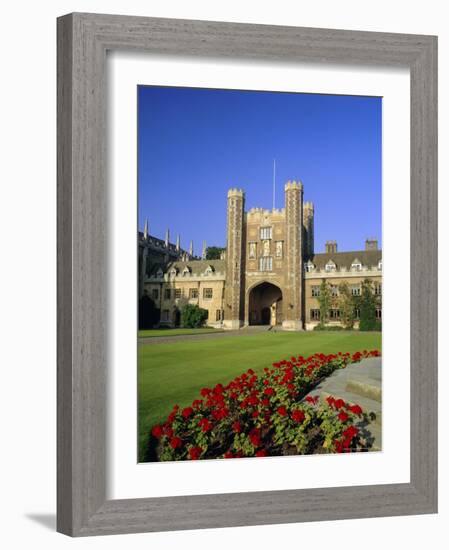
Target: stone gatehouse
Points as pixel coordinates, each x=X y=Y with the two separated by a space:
x=268 y=275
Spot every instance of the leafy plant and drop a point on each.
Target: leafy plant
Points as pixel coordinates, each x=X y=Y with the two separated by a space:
x=266 y=415
x=367 y=305
x=324 y=301
x=214 y=252
x=346 y=305
x=193 y=316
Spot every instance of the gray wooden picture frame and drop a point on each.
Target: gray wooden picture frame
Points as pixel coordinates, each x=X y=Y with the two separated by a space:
x=83 y=40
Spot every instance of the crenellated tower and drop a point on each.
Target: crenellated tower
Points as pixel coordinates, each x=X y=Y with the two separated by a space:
x=308 y=230
x=294 y=247
x=233 y=304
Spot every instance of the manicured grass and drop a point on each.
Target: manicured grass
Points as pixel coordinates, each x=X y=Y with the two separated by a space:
x=153 y=333
x=175 y=372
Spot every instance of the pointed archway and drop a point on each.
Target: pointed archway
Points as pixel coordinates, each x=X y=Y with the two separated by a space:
x=265 y=305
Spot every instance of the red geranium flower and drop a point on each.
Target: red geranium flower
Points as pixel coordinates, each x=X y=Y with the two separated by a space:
x=195 y=453
x=261 y=452
x=237 y=427
x=356 y=409
x=339 y=403
x=282 y=410
x=312 y=399
x=343 y=416
x=175 y=442
x=157 y=431
x=188 y=411
x=253 y=400
x=254 y=437
x=268 y=391
x=338 y=446
x=350 y=432
x=168 y=431
x=205 y=425
x=298 y=416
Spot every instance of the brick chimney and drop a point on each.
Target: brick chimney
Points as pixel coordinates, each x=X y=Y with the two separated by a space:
x=331 y=247
x=371 y=244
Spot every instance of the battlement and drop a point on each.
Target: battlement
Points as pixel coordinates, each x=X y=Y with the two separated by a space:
x=234 y=192
x=308 y=205
x=293 y=185
x=265 y=211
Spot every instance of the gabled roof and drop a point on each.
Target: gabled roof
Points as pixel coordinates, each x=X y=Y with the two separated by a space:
x=197 y=267
x=369 y=258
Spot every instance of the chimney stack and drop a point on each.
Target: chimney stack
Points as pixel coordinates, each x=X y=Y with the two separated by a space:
x=331 y=247
x=371 y=244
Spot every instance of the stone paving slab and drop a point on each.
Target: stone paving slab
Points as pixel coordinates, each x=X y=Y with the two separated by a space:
x=359 y=383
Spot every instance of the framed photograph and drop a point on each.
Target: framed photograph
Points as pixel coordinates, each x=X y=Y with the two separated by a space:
x=247 y=274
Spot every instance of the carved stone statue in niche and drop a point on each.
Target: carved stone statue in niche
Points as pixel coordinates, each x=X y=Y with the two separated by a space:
x=252 y=250
x=279 y=249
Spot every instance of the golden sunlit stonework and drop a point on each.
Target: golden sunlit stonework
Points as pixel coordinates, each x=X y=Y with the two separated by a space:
x=269 y=273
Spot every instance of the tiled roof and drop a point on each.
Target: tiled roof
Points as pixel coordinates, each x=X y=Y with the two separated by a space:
x=197 y=267
x=368 y=258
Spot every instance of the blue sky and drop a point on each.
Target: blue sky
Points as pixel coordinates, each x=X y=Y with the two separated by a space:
x=194 y=144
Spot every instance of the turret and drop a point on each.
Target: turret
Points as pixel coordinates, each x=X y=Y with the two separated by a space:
x=308 y=225
x=167 y=238
x=233 y=307
x=294 y=232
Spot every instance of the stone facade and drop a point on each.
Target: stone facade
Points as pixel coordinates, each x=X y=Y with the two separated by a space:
x=269 y=273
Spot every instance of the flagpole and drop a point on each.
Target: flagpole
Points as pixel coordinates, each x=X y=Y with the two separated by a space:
x=274 y=183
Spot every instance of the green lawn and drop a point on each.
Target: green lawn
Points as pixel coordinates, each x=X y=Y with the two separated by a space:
x=153 y=333
x=172 y=373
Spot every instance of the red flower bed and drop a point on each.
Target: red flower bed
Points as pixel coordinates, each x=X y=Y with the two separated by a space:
x=265 y=415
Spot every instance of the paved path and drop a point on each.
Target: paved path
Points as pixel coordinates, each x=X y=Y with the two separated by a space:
x=359 y=383
x=207 y=336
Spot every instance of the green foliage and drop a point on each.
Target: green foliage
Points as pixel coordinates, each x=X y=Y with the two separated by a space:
x=324 y=300
x=149 y=315
x=329 y=327
x=214 y=252
x=367 y=304
x=265 y=415
x=165 y=369
x=193 y=316
x=346 y=305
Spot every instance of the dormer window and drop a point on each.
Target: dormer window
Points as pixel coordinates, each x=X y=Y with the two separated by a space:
x=159 y=273
x=379 y=265
x=330 y=266
x=173 y=272
x=356 y=265
x=209 y=270
x=186 y=271
x=309 y=266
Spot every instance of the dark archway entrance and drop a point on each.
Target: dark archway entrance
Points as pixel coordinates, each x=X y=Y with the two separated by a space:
x=265 y=305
